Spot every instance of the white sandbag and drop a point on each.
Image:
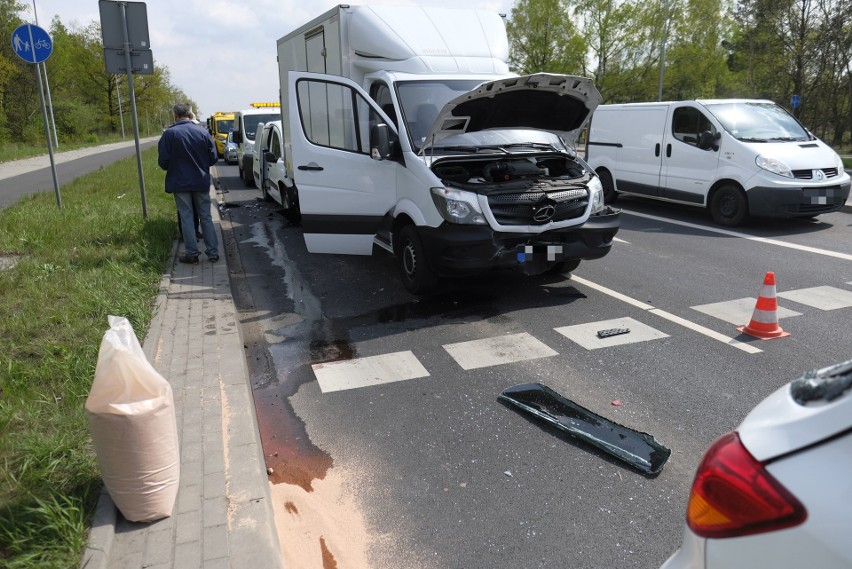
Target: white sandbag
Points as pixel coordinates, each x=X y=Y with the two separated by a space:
x=131 y=415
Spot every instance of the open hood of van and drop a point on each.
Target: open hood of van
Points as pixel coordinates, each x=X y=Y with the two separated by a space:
x=560 y=104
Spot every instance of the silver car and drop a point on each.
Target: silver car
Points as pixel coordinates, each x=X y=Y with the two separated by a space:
x=230 y=149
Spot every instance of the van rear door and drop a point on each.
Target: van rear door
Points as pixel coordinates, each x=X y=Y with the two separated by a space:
x=343 y=192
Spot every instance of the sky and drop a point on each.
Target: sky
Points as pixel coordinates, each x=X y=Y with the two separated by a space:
x=221 y=53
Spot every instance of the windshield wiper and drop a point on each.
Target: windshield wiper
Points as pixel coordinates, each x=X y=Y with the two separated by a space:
x=785 y=139
x=542 y=145
x=750 y=139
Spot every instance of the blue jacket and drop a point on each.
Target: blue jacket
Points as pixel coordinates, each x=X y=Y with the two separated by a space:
x=186 y=152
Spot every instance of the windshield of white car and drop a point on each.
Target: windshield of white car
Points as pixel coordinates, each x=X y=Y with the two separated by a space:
x=422 y=100
x=758 y=122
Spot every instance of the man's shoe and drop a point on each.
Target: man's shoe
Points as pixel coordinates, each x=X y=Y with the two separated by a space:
x=188 y=260
x=213 y=259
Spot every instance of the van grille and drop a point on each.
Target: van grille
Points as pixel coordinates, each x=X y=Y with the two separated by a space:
x=524 y=208
x=809 y=174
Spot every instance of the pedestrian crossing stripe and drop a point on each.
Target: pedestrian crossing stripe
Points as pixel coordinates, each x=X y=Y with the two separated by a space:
x=738 y=312
x=367 y=371
x=586 y=335
x=498 y=350
x=821 y=297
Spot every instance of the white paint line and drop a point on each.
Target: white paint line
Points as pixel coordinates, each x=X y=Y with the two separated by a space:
x=498 y=350
x=747 y=348
x=822 y=297
x=805 y=248
x=738 y=312
x=620 y=240
x=367 y=371
x=668 y=316
x=587 y=334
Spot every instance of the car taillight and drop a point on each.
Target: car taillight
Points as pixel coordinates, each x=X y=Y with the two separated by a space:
x=734 y=495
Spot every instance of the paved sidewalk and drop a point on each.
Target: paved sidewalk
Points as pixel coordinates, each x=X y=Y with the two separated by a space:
x=223 y=514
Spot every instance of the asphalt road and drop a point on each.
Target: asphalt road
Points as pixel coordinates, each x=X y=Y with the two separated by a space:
x=433 y=471
x=26 y=177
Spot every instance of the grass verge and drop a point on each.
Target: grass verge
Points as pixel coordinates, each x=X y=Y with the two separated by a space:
x=71 y=268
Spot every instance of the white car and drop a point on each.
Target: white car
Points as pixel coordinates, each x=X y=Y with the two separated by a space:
x=777 y=492
x=230 y=154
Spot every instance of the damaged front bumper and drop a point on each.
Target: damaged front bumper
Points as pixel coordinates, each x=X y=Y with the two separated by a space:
x=455 y=250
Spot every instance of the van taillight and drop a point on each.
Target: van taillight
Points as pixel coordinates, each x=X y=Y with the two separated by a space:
x=734 y=495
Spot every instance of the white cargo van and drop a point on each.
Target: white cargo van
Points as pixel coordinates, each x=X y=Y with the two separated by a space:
x=405 y=130
x=245 y=126
x=736 y=157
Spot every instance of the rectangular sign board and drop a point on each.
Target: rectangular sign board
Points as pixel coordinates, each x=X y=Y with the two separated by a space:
x=112 y=24
x=141 y=60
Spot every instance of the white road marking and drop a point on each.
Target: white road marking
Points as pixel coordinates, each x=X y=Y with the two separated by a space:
x=367 y=371
x=748 y=348
x=805 y=248
x=620 y=240
x=822 y=297
x=587 y=334
x=738 y=312
x=498 y=350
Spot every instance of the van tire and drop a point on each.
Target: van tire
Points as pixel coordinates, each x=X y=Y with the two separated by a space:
x=729 y=206
x=291 y=210
x=610 y=195
x=417 y=276
x=248 y=178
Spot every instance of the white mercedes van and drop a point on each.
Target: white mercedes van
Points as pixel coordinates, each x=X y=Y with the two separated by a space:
x=736 y=157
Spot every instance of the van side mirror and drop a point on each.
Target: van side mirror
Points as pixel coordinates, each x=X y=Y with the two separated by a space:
x=238 y=136
x=269 y=157
x=383 y=142
x=708 y=141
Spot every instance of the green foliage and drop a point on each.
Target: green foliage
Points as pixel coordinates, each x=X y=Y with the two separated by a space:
x=713 y=49
x=75 y=266
x=543 y=38
x=85 y=98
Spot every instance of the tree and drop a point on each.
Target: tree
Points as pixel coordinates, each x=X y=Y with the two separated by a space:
x=542 y=38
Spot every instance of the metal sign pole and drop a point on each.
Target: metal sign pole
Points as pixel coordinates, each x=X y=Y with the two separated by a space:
x=123 y=8
x=46 y=123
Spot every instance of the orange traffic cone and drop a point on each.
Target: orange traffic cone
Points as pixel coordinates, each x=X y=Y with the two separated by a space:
x=764 y=320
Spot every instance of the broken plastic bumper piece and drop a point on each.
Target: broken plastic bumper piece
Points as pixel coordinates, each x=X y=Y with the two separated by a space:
x=638 y=449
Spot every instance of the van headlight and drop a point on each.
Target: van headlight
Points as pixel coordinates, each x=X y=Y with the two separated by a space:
x=774 y=165
x=457 y=206
x=840 y=165
x=596 y=195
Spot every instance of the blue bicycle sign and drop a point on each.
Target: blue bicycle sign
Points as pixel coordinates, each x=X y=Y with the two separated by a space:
x=31 y=43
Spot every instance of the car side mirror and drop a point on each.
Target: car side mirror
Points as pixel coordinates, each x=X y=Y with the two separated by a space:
x=270 y=157
x=383 y=142
x=238 y=136
x=708 y=140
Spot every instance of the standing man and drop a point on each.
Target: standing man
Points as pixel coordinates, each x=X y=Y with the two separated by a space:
x=186 y=153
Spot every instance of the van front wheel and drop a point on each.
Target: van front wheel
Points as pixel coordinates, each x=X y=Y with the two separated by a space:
x=417 y=277
x=608 y=186
x=729 y=206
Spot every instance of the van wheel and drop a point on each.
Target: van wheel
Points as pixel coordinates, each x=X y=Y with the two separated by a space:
x=729 y=206
x=264 y=193
x=563 y=267
x=609 y=192
x=247 y=177
x=417 y=277
x=291 y=210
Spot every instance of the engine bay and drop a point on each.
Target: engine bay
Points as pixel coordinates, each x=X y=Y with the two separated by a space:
x=515 y=174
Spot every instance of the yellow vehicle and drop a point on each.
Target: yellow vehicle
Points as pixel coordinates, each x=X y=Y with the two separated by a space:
x=219 y=124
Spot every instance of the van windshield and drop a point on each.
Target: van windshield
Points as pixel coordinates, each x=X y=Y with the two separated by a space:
x=758 y=122
x=251 y=122
x=422 y=100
